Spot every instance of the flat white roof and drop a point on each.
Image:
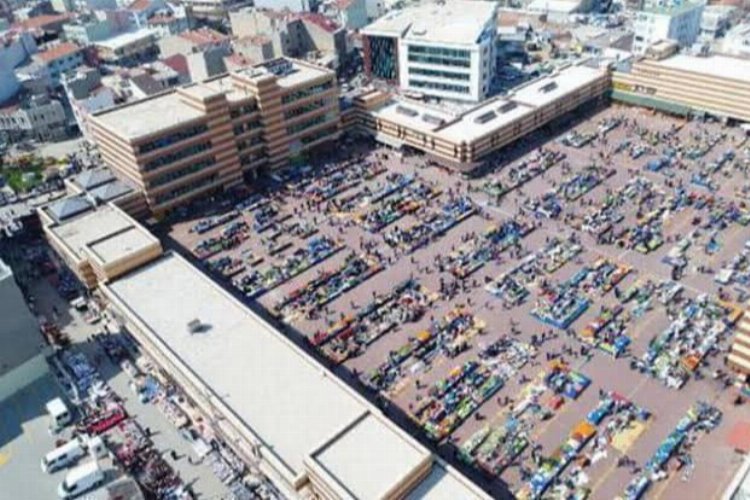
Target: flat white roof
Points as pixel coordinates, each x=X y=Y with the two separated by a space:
x=125 y=39
x=148 y=116
x=558 y=6
x=552 y=87
x=731 y=68
x=100 y=225
x=414 y=115
x=369 y=459
x=490 y=116
x=459 y=22
x=122 y=244
x=291 y=403
x=440 y=484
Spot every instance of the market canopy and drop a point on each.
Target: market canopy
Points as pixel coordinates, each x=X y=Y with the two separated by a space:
x=739 y=437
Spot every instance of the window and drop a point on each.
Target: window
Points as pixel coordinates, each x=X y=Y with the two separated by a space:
x=444 y=87
x=177 y=156
x=450 y=75
x=173 y=138
x=299 y=127
x=310 y=91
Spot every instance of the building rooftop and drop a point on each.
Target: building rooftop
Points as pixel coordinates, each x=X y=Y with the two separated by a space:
x=552 y=87
x=108 y=232
x=415 y=115
x=388 y=455
x=483 y=119
x=148 y=116
x=203 y=36
x=57 y=51
x=460 y=22
x=671 y=7
x=298 y=411
x=95 y=177
x=731 y=68
x=68 y=207
x=124 y=39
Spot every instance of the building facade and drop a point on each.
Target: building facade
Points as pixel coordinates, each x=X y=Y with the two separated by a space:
x=205 y=136
x=22 y=349
x=38 y=117
x=672 y=20
x=445 y=52
x=688 y=85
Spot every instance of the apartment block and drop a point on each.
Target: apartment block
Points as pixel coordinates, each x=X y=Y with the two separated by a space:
x=204 y=137
x=675 y=20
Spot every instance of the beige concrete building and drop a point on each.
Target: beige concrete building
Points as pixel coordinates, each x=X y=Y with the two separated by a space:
x=98 y=244
x=464 y=139
x=203 y=137
x=687 y=85
x=739 y=354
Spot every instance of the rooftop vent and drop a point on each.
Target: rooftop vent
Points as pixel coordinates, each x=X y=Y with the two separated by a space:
x=485 y=117
x=406 y=111
x=432 y=119
x=507 y=107
x=548 y=87
x=195 y=326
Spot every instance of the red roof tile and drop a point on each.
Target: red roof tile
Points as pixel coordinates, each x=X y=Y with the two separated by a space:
x=204 y=36
x=139 y=5
x=320 y=20
x=42 y=21
x=57 y=51
x=177 y=62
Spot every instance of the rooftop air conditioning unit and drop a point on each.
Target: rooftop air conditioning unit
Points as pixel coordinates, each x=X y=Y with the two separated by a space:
x=195 y=326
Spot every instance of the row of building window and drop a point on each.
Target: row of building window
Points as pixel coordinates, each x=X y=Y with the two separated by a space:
x=247 y=143
x=309 y=91
x=439 y=51
x=445 y=87
x=299 y=127
x=318 y=135
x=301 y=110
x=244 y=127
x=249 y=159
x=450 y=75
x=168 y=140
x=440 y=61
x=186 y=188
x=178 y=155
x=243 y=110
x=182 y=172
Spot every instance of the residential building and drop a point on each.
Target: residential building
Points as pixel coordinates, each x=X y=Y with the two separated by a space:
x=203 y=137
x=674 y=20
x=128 y=49
x=86 y=95
x=292 y=35
x=37 y=117
x=290 y=5
x=59 y=59
x=62 y=6
x=688 y=85
x=214 y=9
x=257 y=48
x=737 y=41
x=445 y=52
x=15 y=49
x=22 y=348
x=351 y=14
x=89 y=28
x=206 y=64
x=44 y=27
x=189 y=42
x=559 y=11
x=141 y=10
x=176 y=21
x=462 y=140
x=716 y=20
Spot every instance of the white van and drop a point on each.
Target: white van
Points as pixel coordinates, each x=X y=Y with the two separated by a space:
x=83 y=478
x=63 y=456
x=59 y=414
x=71 y=452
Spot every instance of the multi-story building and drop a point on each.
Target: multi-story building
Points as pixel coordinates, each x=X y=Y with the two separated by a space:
x=60 y=59
x=203 y=137
x=22 y=349
x=443 y=51
x=716 y=20
x=739 y=354
x=37 y=117
x=688 y=85
x=675 y=20
x=189 y=42
x=290 y=34
x=463 y=140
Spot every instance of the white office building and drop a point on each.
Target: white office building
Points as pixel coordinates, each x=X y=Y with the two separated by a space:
x=442 y=51
x=675 y=20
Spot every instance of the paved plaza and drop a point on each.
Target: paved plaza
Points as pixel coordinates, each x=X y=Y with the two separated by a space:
x=462 y=301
